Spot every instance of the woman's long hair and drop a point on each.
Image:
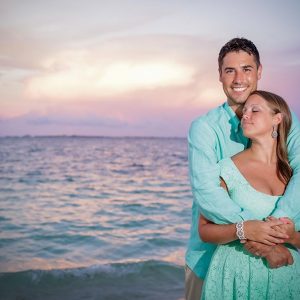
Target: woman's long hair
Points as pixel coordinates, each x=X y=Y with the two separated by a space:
x=278 y=105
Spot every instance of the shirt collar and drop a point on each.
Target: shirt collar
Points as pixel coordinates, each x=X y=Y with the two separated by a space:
x=233 y=118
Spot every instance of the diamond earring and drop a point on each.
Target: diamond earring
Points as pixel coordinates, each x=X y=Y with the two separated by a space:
x=274 y=133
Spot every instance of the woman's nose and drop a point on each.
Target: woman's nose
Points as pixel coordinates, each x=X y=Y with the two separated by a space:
x=245 y=116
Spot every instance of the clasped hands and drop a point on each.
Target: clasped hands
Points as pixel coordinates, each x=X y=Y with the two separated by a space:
x=266 y=238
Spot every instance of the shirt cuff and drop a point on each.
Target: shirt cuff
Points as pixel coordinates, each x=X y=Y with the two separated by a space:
x=246 y=215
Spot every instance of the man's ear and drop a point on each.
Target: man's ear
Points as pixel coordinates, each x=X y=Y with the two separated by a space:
x=220 y=74
x=259 y=71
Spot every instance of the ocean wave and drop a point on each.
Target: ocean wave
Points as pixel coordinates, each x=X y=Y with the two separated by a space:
x=134 y=280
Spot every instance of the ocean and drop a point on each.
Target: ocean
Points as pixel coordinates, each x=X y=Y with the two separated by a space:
x=93 y=217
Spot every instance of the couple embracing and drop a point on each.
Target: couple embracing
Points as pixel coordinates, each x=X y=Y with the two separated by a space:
x=244 y=162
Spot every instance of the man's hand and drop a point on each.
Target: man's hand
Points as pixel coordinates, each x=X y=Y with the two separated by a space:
x=279 y=256
x=258 y=249
x=276 y=256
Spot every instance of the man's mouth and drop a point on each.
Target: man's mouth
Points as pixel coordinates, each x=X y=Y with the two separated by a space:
x=239 y=89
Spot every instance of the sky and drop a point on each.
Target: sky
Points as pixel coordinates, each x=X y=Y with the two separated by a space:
x=133 y=67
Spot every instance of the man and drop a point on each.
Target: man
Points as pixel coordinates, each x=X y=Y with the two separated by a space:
x=217 y=135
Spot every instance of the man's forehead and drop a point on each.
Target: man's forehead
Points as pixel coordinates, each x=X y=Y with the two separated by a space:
x=241 y=58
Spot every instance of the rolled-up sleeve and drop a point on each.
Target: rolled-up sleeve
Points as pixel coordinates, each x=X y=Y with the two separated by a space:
x=213 y=201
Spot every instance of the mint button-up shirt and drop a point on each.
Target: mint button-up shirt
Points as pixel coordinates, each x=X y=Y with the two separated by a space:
x=212 y=137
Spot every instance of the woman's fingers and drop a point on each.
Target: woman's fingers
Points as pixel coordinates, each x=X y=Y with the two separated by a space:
x=267 y=242
x=278 y=234
x=274 y=240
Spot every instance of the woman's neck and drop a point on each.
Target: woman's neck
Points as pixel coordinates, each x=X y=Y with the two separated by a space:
x=264 y=151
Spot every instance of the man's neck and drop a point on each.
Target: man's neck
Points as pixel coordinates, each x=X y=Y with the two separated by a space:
x=238 y=109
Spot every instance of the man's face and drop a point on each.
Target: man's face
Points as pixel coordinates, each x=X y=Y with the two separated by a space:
x=239 y=75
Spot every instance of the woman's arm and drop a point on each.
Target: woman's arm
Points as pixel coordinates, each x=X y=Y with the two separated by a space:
x=216 y=234
x=255 y=230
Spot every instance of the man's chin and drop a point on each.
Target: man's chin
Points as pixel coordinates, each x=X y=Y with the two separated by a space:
x=239 y=101
x=240 y=98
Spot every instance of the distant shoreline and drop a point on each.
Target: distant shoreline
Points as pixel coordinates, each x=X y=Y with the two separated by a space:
x=91 y=136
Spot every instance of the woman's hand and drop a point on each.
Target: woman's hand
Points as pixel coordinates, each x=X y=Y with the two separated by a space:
x=288 y=227
x=264 y=232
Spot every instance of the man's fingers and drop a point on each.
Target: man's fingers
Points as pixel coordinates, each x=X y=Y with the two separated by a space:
x=274 y=222
x=286 y=220
x=270 y=218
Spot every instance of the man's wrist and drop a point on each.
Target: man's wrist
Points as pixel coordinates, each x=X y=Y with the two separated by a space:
x=294 y=240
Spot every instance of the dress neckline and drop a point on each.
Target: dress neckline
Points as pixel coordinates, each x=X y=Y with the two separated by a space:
x=248 y=183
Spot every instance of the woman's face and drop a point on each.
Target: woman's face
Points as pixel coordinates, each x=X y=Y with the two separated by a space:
x=258 y=118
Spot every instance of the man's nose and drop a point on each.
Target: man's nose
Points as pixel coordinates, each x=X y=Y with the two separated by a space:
x=239 y=77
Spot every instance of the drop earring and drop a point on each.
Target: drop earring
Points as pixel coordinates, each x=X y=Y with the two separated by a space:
x=274 y=133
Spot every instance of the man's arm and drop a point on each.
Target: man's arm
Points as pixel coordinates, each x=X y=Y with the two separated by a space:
x=276 y=256
x=289 y=204
x=214 y=202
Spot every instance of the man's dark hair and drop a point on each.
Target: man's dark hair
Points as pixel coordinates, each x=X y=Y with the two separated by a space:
x=236 y=45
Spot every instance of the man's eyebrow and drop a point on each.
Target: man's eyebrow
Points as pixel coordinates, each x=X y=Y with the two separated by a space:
x=247 y=66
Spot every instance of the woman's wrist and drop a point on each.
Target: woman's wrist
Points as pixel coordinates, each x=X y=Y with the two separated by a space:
x=240 y=233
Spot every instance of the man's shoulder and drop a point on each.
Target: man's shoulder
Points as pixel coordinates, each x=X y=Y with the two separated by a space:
x=211 y=117
x=207 y=124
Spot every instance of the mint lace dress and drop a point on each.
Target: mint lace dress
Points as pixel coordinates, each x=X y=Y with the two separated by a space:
x=233 y=272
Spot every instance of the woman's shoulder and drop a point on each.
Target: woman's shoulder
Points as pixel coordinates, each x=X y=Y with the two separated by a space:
x=225 y=162
x=230 y=172
x=240 y=157
x=227 y=168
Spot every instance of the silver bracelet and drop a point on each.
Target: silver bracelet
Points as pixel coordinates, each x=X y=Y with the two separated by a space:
x=240 y=230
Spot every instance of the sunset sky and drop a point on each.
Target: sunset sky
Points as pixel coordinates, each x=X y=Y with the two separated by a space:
x=133 y=67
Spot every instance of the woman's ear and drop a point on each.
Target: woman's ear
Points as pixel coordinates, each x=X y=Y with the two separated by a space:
x=277 y=118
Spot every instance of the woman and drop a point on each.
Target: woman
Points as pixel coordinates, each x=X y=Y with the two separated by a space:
x=255 y=179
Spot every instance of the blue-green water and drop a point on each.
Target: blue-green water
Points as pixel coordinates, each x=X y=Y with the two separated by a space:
x=93 y=218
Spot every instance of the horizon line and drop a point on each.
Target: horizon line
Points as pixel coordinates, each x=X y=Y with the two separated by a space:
x=90 y=136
